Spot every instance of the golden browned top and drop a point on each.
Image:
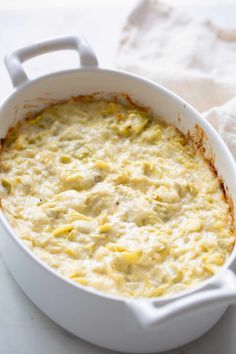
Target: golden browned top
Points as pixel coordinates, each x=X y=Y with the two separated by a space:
x=115 y=199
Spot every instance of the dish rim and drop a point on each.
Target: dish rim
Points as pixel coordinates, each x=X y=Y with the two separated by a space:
x=206 y=127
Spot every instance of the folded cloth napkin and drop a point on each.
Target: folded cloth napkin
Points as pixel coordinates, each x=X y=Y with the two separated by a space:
x=189 y=55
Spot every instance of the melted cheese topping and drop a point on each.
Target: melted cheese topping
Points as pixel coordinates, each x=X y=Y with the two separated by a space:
x=114 y=199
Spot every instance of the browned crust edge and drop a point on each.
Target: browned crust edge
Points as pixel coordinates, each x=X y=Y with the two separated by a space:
x=199 y=139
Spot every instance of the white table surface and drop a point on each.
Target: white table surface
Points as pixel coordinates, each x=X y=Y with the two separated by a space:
x=23 y=328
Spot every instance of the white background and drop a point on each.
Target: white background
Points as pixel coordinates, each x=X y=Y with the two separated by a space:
x=23 y=328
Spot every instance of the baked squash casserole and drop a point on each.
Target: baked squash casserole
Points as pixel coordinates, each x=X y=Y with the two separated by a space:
x=115 y=199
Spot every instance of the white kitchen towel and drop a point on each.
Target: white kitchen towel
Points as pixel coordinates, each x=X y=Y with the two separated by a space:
x=189 y=55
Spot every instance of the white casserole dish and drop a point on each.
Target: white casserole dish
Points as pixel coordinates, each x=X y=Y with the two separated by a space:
x=122 y=324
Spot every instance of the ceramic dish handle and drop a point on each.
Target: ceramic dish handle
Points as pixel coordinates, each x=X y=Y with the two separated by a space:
x=149 y=316
x=14 y=60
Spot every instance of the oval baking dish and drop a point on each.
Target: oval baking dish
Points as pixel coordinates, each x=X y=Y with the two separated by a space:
x=118 y=323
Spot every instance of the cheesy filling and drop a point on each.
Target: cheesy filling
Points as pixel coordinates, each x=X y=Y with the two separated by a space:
x=114 y=199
